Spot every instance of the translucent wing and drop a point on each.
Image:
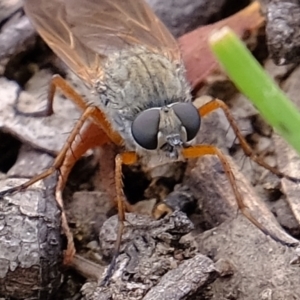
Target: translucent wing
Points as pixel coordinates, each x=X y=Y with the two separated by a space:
x=84 y=32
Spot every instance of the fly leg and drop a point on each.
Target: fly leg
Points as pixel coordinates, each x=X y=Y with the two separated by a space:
x=126 y=158
x=90 y=113
x=163 y=209
x=90 y=137
x=215 y=104
x=201 y=150
x=58 y=82
x=96 y=133
x=64 y=161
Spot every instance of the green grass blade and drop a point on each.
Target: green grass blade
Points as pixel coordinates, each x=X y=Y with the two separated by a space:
x=251 y=79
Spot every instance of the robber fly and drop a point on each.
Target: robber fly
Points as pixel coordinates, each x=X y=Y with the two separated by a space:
x=124 y=53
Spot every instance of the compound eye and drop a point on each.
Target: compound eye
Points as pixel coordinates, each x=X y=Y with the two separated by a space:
x=189 y=117
x=144 y=128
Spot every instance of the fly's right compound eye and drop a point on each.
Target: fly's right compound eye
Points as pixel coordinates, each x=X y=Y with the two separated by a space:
x=189 y=118
x=144 y=128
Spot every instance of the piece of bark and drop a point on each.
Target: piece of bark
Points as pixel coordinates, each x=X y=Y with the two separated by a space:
x=44 y=133
x=8 y=8
x=150 y=250
x=30 y=242
x=259 y=266
x=29 y=163
x=167 y=229
x=283 y=30
x=288 y=159
x=284 y=214
x=186 y=281
x=16 y=37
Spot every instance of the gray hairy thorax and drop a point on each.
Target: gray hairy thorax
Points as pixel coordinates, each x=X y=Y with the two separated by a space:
x=136 y=80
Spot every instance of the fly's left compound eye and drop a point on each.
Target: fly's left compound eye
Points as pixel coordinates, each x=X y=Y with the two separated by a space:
x=144 y=128
x=189 y=117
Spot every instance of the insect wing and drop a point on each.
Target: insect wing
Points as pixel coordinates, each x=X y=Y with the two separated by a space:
x=84 y=32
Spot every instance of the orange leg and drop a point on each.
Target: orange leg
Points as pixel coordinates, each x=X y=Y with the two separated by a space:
x=201 y=150
x=126 y=158
x=98 y=117
x=64 y=161
x=215 y=104
x=90 y=137
x=98 y=132
x=58 y=82
x=91 y=113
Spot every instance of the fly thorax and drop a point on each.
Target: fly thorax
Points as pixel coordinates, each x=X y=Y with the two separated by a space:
x=136 y=80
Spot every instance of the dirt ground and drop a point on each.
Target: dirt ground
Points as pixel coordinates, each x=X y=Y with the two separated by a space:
x=208 y=251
